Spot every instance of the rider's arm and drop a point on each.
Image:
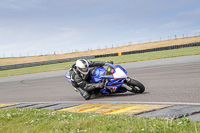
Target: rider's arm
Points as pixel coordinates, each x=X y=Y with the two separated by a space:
x=98 y=63
x=81 y=83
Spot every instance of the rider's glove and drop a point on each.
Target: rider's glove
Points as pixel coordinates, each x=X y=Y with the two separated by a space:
x=101 y=85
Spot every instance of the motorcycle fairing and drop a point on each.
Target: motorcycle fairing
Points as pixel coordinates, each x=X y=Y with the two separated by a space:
x=114 y=85
x=97 y=73
x=68 y=77
x=115 y=80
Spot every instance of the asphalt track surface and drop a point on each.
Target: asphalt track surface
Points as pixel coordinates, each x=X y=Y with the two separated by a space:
x=171 y=80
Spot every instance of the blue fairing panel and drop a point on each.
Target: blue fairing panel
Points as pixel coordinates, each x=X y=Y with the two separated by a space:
x=68 y=77
x=97 y=73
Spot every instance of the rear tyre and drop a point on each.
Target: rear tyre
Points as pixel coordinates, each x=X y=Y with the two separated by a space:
x=136 y=85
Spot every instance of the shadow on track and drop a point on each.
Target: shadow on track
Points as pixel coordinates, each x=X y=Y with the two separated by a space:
x=115 y=95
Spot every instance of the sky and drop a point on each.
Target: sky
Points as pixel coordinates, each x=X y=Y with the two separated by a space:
x=39 y=27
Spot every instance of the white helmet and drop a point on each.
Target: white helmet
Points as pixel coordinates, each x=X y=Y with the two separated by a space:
x=82 y=65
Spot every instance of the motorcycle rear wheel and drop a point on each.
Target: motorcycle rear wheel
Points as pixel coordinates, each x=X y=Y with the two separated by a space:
x=136 y=85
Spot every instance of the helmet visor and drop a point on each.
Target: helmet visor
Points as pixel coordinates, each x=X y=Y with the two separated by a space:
x=84 y=69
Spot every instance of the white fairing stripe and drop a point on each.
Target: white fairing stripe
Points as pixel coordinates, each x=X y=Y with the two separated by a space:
x=119 y=73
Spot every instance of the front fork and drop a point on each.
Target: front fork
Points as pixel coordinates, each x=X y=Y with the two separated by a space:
x=125 y=85
x=128 y=80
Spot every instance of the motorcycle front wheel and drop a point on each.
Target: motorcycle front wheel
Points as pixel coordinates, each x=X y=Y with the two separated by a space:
x=136 y=85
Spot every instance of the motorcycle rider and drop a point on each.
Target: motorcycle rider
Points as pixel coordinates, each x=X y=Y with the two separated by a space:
x=80 y=76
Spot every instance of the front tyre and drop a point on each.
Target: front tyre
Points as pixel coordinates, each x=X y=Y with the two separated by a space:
x=136 y=85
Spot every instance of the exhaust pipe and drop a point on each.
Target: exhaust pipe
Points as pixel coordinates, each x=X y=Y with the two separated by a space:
x=127 y=87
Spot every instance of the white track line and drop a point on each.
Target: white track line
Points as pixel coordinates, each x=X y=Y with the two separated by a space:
x=114 y=102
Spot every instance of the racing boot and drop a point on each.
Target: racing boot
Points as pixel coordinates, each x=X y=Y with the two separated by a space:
x=93 y=86
x=84 y=93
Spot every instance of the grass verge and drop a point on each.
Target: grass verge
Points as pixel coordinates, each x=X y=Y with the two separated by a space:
x=116 y=59
x=39 y=121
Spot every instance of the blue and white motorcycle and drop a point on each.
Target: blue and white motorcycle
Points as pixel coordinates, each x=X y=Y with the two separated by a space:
x=115 y=78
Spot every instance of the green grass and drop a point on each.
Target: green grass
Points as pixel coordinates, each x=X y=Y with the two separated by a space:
x=39 y=121
x=116 y=59
x=36 y=69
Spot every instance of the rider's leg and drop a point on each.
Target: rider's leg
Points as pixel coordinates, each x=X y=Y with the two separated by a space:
x=84 y=93
x=92 y=86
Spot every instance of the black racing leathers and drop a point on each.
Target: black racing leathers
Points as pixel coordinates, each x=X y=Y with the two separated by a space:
x=81 y=80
